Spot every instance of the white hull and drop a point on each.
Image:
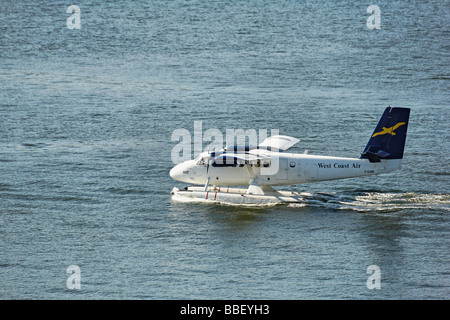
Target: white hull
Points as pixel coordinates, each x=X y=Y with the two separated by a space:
x=237 y=195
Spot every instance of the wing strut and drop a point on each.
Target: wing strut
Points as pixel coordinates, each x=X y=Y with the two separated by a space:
x=207 y=184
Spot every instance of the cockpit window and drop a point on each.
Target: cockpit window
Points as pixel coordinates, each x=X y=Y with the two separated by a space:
x=200 y=161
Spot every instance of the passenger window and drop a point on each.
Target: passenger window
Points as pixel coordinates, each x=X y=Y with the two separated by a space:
x=225 y=162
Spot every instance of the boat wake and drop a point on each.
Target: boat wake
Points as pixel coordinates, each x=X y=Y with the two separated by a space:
x=392 y=202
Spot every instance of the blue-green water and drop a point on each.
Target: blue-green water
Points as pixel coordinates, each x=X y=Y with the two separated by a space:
x=87 y=117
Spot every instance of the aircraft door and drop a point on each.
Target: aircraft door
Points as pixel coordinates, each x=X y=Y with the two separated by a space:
x=283 y=168
x=294 y=170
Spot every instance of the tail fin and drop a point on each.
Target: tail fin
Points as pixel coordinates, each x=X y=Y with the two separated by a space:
x=388 y=139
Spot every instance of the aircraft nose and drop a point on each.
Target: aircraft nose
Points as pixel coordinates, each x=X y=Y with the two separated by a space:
x=183 y=172
x=177 y=172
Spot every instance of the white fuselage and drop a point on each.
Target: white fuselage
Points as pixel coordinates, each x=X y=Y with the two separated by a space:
x=282 y=169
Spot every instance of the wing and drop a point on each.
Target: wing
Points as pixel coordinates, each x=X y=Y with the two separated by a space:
x=279 y=142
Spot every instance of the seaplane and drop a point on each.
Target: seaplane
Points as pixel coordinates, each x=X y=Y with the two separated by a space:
x=248 y=174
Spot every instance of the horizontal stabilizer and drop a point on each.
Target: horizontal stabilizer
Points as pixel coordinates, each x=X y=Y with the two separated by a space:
x=376 y=155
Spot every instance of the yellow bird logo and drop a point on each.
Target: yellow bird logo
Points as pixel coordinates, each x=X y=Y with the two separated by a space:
x=388 y=130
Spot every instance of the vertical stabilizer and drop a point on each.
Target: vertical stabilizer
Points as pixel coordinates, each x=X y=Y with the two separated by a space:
x=388 y=138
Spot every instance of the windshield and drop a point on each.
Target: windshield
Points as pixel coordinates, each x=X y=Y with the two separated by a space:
x=200 y=161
